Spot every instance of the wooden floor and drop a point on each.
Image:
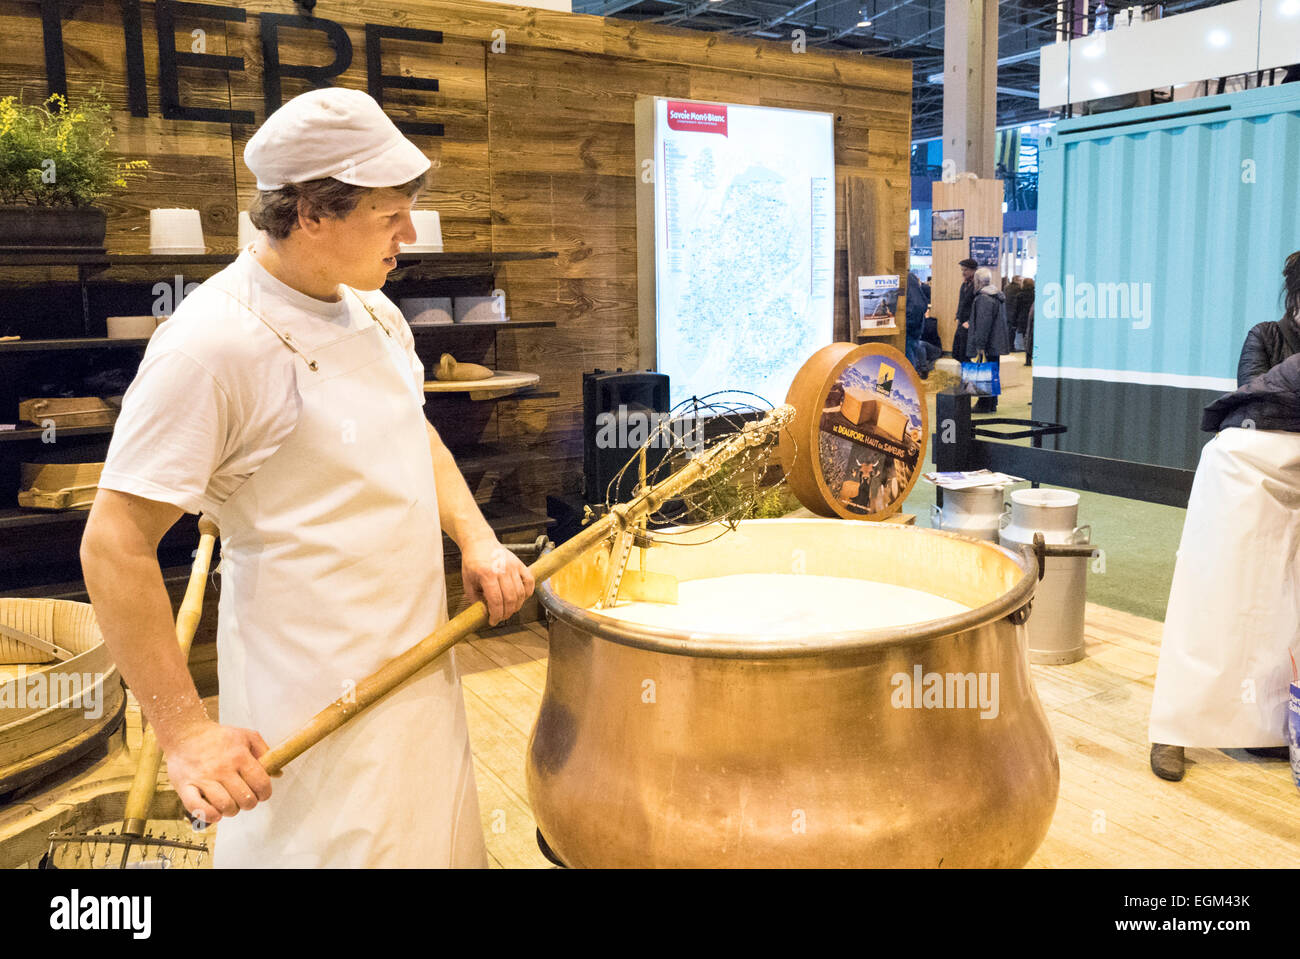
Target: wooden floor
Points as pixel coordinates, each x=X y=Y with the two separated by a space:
x=1230 y=810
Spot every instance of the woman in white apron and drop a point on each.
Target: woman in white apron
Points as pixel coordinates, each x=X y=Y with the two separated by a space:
x=1232 y=626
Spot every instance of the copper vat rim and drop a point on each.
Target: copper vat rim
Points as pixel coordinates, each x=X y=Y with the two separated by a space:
x=713 y=645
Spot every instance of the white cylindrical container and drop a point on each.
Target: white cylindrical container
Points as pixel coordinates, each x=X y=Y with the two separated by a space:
x=176 y=231
x=1055 y=626
x=247 y=232
x=479 y=309
x=975 y=512
x=131 y=327
x=426 y=310
x=428 y=232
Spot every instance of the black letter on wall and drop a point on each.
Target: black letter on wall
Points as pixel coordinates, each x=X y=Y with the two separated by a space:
x=169 y=59
x=273 y=70
x=56 y=75
x=377 y=80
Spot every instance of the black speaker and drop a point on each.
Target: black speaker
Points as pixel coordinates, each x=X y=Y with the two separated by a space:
x=620 y=411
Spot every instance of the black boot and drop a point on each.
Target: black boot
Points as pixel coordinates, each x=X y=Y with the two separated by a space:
x=1270 y=752
x=1167 y=762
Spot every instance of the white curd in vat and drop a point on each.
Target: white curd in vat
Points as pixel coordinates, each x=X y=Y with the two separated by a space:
x=784 y=604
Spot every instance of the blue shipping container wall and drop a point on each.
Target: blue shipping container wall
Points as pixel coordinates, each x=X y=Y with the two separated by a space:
x=1162 y=235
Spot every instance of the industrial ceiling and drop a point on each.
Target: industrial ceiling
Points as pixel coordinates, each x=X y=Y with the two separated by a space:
x=907 y=30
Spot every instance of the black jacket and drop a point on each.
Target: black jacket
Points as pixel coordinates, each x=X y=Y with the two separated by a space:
x=1012 y=292
x=1268 y=377
x=1024 y=305
x=988 y=329
x=965 y=300
x=1267 y=345
x=1268 y=402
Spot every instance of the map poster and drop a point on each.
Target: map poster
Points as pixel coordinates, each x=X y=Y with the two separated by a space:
x=878 y=304
x=742 y=243
x=986 y=250
x=869 y=443
x=948 y=225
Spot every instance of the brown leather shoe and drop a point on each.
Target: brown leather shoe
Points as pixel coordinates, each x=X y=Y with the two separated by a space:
x=1168 y=762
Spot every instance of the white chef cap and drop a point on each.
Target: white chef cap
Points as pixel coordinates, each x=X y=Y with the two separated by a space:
x=333 y=132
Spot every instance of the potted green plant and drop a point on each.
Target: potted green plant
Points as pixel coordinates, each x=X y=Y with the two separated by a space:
x=54 y=164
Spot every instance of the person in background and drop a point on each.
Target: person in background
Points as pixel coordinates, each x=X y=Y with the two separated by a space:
x=965 y=299
x=1231 y=629
x=1012 y=290
x=930 y=331
x=919 y=353
x=1025 y=312
x=1269 y=343
x=989 y=337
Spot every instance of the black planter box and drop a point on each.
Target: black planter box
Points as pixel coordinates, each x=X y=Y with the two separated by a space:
x=38 y=229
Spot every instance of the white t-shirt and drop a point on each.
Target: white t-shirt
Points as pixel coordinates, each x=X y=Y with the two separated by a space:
x=216 y=392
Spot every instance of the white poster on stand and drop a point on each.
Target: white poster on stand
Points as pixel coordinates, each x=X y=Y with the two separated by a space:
x=743 y=243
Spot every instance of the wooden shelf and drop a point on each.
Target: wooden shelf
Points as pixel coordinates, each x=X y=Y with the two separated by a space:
x=151 y=259
x=502 y=383
x=503 y=518
x=435 y=328
x=72 y=343
x=494 y=457
x=103 y=343
x=75 y=590
x=39 y=545
x=27 y=433
x=18 y=517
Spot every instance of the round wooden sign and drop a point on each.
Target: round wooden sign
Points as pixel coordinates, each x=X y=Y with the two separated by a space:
x=858 y=439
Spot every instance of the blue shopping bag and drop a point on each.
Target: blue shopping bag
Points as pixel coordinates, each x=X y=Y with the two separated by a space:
x=981 y=379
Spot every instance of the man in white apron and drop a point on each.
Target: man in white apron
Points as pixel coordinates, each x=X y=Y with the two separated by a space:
x=283 y=398
x=1232 y=628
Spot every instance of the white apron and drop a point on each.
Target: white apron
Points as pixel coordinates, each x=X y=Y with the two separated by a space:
x=331 y=565
x=1234 y=607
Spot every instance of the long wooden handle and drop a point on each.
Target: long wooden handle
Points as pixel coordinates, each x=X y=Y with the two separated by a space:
x=401 y=668
x=145 y=783
x=396 y=671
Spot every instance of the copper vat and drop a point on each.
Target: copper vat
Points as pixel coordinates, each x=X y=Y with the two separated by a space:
x=654 y=748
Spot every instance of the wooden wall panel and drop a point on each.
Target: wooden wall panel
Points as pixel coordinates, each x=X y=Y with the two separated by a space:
x=458 y=186
x=871 y=252
x=982 y=201
x=539 y=154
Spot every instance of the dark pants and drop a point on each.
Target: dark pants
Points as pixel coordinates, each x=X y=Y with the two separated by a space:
x=930 y=333
x=959 y=344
